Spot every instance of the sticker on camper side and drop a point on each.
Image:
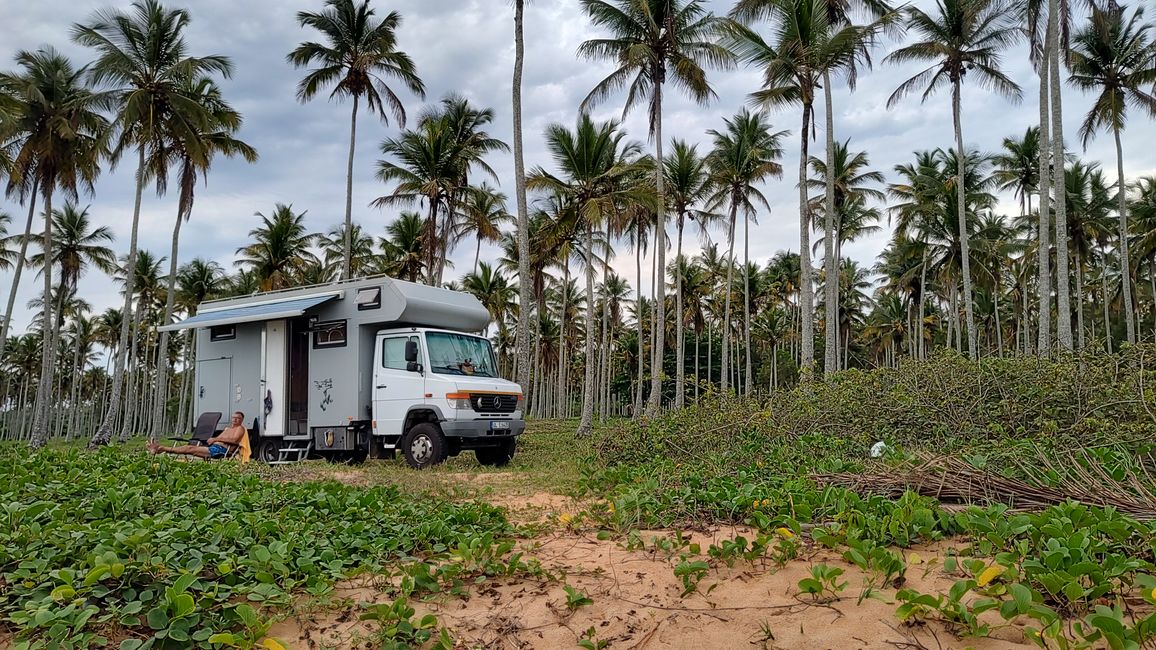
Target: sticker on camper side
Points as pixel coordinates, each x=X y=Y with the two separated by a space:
x=325 y=385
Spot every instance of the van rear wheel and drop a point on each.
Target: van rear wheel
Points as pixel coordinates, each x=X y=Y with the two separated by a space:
x=269 y=450
x=424 y=446
x=499 y=456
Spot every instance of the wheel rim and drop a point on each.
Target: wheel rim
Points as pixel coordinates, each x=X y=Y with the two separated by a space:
x=269 y=451
x=421 y=449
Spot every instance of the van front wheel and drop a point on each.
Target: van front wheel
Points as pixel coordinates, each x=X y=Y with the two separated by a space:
x=424 y=446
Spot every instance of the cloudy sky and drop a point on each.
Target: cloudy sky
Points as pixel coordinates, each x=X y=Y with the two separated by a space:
x=466 y=46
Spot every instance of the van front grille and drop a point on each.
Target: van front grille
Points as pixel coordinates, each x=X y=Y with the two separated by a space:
x=490 y=403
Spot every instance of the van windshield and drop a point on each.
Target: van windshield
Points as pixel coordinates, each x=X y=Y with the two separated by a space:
x=458 y=354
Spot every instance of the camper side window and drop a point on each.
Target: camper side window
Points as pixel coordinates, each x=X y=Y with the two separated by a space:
x=368 y=298
x=222 y=332
x=393 y=352
x=329 y=335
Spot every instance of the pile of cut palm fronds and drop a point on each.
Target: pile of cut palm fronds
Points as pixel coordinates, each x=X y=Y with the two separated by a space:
x=1081 y=477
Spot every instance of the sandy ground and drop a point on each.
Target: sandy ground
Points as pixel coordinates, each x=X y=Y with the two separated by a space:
x=638 y=603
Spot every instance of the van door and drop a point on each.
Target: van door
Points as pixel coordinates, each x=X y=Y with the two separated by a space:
x=395 y=388
x=214 y=377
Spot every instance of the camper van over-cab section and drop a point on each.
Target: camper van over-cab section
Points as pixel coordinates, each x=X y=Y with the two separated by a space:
x=358 y=369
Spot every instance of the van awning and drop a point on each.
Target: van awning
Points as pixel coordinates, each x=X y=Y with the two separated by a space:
x=266 y=310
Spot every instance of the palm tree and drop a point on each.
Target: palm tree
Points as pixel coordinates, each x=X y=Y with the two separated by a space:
x=483 y=211
x=280 y=250
x=7 y=255
x=650 y=39
x=1017 y=167
x=431 y=165
x=963 y=36
x=194 y=151
x=471 y=142
x=1117 y=60
x=58 y=139
x=594 y=163
x=403 y=247
x=76 y=246
x=743 y=156
x=852 y=218
x=522 y=233
x=358 y=55
x=838 y=16
x=807 y=46
x=491 y=289
x=142 y=56
x=362 y=254
x=688 y=181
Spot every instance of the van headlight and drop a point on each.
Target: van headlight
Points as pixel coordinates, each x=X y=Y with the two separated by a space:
x=459 y=401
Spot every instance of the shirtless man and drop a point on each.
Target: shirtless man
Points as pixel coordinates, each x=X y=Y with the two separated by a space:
x=218 y=446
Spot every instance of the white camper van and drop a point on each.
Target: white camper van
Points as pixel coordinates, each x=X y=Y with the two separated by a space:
x=357 y=369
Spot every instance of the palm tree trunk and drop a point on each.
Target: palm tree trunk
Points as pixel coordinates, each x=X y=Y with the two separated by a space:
x=130 y=425
x=680 y=326
x=998 y=325
x=774 y=365
x=660 y=248
x=637 y=412
x=807 y=297
x=522 y=336
x=831 y=293
x=347 y=245
x=709 y=353
x=607 y=349
x=162 y=356
x=725 y=328
x=1043 y=253
x=1152 y=284
x=103 y=434
x=1104 y=299
x=747 y=302
x=1079 y=300
x=562 y=406
x=77 y=377
x=587 y=421
x=4 y=327
x=1125 y=261
x=1063 y=291
x=697 y=358
x=961 y=206
x=922 y=304
x=41 y=409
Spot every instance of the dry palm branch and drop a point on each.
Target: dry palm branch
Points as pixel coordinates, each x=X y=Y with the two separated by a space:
x=1129 y=489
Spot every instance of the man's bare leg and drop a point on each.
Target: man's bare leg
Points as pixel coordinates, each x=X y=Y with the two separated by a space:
x=183 y=450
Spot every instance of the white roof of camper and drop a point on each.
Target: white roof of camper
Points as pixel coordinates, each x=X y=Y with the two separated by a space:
x=401 y=302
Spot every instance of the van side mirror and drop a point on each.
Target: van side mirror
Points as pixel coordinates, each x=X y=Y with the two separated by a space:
x=411 y=363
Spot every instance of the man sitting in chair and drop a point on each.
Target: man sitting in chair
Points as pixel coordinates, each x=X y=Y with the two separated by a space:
x=219 y=446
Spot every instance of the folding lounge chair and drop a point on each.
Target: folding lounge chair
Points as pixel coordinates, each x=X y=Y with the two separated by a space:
x=206 y=428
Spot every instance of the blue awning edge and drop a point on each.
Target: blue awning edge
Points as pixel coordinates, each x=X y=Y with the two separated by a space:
x=270 y=310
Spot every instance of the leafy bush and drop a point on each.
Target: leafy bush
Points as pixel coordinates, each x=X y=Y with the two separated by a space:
x=99 y=548
x=945 y=403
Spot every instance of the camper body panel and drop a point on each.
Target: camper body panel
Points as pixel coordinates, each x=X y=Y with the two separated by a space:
x=242 y=352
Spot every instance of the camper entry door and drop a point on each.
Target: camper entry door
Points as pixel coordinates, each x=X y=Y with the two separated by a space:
x=274 y=378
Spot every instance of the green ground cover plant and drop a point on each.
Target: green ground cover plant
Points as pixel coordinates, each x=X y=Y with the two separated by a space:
x=123 y=549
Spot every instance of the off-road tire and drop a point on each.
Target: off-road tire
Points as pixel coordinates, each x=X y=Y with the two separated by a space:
x=268 y=450
x=423 y=446
x=499 y=456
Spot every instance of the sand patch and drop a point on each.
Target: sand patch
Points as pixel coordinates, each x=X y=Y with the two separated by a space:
x=639 y=602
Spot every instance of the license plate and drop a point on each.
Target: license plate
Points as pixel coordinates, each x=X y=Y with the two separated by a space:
x=499 y=425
